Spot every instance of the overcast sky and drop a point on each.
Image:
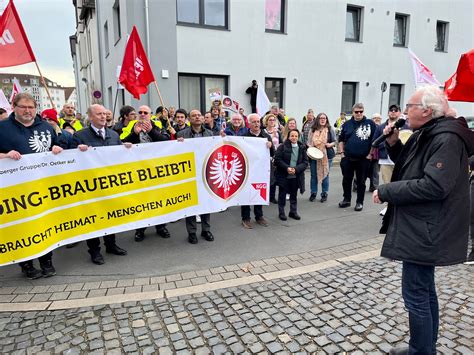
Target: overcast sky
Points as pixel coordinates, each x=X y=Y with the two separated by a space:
x=48 y=25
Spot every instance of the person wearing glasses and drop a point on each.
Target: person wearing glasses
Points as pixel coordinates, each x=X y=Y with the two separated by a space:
x=386 y=164
x=144 y=130
x=355 y=141
x=24 y=132
x=427 y=220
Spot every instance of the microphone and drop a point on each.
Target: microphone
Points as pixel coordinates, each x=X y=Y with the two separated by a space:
x=399 y=124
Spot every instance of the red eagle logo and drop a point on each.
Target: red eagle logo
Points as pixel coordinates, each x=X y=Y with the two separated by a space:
x=226 y=171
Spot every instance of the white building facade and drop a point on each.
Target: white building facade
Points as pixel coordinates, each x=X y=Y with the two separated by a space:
x=32 y=84
x=324 y=55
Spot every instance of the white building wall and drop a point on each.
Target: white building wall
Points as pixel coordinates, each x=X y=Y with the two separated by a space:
x=313 y=51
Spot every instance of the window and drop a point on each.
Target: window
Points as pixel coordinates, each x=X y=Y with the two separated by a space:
x=274 y=15
x=274 y=91
x=207 y=13
x=194 y=90
x=395 y=95
x=6 y=81
x=117 y=29
x=106 y=38
x=441 y=36
x=400 y=31
x=353 y=23
x=348 y=96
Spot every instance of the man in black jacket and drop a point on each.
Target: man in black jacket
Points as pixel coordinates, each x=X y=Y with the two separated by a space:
x=427 y=219
x=98 y=135
x=24 y=132
x=355 y=141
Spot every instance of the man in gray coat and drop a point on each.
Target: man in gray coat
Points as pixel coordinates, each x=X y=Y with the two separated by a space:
x=427 y=220
x=197 y=130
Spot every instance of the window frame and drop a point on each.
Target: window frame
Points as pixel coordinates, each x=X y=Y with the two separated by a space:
x=400 y=98
x=445 y=25
x=282 y=89
x=405 y=19
x=202 y=88
x=355 y=85
x=202 y=17
x=282 y=29
x=116 y=21
x=106 y=39
x=358 y=10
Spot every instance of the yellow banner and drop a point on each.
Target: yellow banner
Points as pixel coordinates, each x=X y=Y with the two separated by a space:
x=26 y=239
x=37 y=196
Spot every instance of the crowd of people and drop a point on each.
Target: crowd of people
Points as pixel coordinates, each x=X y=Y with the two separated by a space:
x=423 y=166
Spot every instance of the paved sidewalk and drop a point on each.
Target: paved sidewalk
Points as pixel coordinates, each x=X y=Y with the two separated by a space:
x=72 y=295
x=354 y=306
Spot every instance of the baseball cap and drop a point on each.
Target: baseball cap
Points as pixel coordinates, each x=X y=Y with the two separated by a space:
x=51 y=114
x=394 y=107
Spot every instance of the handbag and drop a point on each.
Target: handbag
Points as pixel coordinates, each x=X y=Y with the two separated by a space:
x=331 y=153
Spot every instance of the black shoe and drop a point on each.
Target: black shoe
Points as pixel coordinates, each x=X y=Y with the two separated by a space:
x=312 y=197
x=139 y=235
x=72 y=245
x=48 y=269
x=344 y=204
x=116 y=250
x=294 y=215
x=282 y=216
x=358 y=207
x=398 y=351
x=97 y=258
x=273 y=200
x=372 y=189
x=208 y=236
x=31 y=272
x=163 y=232
x=324 y=198
x=192 y=238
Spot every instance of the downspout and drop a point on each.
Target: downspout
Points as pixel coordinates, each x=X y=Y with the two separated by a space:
x=147 y=44
x=101 y=65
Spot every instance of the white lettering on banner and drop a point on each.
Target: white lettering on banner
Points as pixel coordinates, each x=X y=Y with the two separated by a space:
x=6 y=38
x=138 y=67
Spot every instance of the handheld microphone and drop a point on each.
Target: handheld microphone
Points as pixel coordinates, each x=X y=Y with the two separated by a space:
x=399 y=124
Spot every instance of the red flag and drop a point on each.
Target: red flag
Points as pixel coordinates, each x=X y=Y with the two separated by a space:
x=136 y=72
x=460 y=86
x=14 y=46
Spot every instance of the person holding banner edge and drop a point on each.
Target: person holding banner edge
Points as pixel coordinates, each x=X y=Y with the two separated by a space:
x=98 y=135
x=24 y=132
x=196 y=130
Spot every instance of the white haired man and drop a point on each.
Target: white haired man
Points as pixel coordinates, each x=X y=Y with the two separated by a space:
x=427 y=220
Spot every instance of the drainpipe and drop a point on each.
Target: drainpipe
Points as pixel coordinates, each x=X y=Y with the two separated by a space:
x=147 y=43
x=99 y=40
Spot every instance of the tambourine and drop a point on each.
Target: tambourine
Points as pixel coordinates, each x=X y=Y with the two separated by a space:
x=314 y=153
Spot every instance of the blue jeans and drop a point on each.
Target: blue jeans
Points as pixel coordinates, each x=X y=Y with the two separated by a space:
x=314 y=178
x=419 y=294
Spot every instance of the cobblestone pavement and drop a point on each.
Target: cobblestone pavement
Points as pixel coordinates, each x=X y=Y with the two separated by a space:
x=355 y=307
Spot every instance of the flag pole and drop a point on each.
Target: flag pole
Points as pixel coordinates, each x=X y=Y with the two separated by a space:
x=159 y=94
x=45 y=86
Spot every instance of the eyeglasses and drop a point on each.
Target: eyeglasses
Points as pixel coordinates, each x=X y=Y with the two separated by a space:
x=359 y=111
x=407 y=106
x=143 y=112
x=26 y=107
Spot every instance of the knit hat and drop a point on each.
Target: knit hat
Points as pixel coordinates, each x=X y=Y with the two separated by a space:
x=51 y=114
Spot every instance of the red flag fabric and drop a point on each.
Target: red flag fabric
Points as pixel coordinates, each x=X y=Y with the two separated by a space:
x=460 y=86
x=136 y=72
x=14 y=46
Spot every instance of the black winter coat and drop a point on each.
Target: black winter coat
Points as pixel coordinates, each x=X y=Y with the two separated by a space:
x=282 y=163
x=427 y=221
x=89 y=137
x=156 y=134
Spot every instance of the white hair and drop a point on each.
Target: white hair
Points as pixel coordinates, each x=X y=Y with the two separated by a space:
x=432 y=97
x=253 y=115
